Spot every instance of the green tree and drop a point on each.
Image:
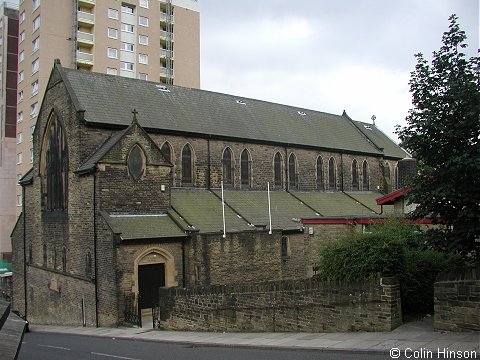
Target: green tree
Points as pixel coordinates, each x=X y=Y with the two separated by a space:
x=443 y=134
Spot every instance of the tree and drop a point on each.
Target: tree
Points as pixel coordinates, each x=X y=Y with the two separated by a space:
x=443 y=134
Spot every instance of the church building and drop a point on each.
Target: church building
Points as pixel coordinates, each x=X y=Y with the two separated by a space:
x=137 y=185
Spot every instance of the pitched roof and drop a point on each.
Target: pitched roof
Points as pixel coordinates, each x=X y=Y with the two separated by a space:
x=131 y=227
x=286 y=210
x=108 y=100
x=334 y=204
x=27 y=179
x=381 y=140
x=98 y=154
x=202 y=209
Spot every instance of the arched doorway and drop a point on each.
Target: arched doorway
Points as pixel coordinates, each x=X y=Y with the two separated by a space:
x=150 y=278
x=154 y=268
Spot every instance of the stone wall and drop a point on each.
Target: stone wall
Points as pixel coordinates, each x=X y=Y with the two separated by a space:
x=457 y=301
x=207 y=154
x=301 y=306
x=253 y=256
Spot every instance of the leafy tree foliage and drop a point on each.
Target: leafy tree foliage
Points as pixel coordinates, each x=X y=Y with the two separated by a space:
x=443 y=134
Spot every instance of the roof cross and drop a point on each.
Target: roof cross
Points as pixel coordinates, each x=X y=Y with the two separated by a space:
x=134 y=112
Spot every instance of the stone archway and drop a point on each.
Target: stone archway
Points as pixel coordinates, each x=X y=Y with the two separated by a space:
x=154 y=261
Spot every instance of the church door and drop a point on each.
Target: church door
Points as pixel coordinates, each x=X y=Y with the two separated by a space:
x=150 y=278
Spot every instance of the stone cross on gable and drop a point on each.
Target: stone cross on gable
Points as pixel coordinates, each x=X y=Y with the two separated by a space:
x=134 y=112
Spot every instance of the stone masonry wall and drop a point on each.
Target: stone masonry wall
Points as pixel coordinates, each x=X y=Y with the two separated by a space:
x=457 y=301
x=242 y=257
x=301 y=306
x=261 y=164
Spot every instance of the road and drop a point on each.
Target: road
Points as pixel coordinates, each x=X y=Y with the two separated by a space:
x=50 y=346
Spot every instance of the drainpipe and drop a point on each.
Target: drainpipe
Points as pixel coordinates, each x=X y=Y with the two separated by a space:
x=183 y=264
x=95 y=244
x=24 y=252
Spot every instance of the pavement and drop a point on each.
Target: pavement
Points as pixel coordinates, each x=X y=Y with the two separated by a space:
x=409 y=337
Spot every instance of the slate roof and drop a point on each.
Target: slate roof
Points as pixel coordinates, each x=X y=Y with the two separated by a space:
x=370 y=199
x=98 y=154
x=109 y=100
x=27 y=178
x=253 y=205
x=334 y=204
x=381 y=140
x=202 y=209
x=133 y=227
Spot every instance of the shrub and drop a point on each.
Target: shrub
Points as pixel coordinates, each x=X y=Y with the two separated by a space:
x=360 y=257
x=393 y=248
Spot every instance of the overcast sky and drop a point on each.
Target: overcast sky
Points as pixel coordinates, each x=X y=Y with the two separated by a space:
x=326 y=55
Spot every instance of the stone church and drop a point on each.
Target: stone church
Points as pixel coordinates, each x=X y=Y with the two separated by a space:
x=125 y=193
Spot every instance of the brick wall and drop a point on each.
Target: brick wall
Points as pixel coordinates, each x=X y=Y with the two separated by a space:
x=301 y=306
x=457 y=301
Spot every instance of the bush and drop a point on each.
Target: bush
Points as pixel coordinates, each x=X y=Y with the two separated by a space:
x=360 y=257
x=392 y=248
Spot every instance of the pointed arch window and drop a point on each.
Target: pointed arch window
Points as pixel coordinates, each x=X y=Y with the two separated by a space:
x=187 y=165
x=366 y=176
x=292 y=171
x=64 y=259
x=88 y=265
x=320 y=179
x=277 y=169
x=227 y=166
x=167 y=151
x=354 y=175
x=136 y=163
x=54 y=166
x=245 y=168
x=332 y=176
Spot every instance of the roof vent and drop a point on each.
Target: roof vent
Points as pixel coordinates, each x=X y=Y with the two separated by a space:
x=368 y=127
x=302 y=113
x=241 y=102
x=162 y=88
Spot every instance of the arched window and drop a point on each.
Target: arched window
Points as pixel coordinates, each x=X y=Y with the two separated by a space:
x=292 y=171
x=187 y=165
x=136 y=163
x=45 y=254
x=245 y=168
x=167 y=151
x=64 y=259
x=54 y=167
x=30 y=254
x=277 y=169
x=88 y=265
x=366 y=176
x=227 y=167
x=320 y=179
x=386 y=177
x=332 y=176
x=354 y=175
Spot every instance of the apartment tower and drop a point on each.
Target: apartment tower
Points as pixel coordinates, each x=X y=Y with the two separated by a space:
x=8 y=112
x=156 y=40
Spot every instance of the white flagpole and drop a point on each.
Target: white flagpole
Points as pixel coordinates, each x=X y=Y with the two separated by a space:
x=223 y=214
x=269 y=208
